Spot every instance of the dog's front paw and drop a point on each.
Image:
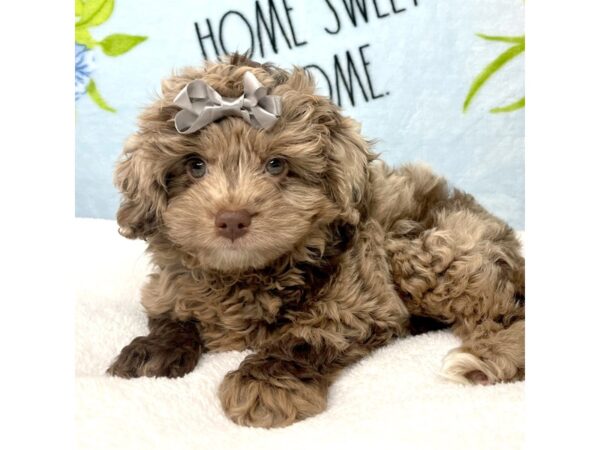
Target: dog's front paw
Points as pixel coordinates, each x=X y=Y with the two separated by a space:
x=258 y=396
x=148 y=356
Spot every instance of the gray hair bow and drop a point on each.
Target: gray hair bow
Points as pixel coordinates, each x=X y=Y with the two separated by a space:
x=202 y=105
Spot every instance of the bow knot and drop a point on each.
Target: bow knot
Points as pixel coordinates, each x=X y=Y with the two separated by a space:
x=200 y=105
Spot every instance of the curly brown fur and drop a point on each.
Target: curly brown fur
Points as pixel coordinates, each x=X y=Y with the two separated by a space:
x=341 y=252
x=171 y=350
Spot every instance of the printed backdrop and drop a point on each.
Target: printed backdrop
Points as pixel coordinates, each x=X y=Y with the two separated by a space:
x=437 y=81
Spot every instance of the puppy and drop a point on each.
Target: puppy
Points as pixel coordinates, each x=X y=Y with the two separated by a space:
x=295 y=241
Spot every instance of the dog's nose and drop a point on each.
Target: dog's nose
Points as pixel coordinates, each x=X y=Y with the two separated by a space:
x=233 y=224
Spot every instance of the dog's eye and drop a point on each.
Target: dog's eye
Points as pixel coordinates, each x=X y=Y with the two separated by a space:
x=276 y=166
x=196 y=167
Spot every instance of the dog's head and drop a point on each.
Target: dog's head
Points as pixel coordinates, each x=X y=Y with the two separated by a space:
x=233 y=197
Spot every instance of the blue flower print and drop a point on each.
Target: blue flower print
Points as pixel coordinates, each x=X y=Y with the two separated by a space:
x=84 y=66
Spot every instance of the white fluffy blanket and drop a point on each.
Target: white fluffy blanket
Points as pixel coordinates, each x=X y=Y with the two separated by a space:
x=394 y=396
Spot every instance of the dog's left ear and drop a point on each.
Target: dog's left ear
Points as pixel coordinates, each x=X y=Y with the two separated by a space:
x=347 y=153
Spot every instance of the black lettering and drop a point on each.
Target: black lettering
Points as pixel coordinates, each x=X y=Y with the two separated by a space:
x=377 y=13
x=288 y=10
x=210 y=36
x=365 y=66
x=349 y=82
x=337 y=19
x=362 y=8
x=222 y=26
x=316 y=67
x=396 y=11
x=270 y=29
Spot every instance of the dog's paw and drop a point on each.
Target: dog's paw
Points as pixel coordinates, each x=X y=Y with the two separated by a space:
x=267 y=401
x=149 y=357
x=466 y=368
x=462 y=366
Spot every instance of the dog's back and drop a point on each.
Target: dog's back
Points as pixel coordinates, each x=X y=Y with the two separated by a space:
x=455 y=262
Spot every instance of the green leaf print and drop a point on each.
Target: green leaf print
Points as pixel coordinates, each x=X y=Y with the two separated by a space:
x=494 y=66
x=117 y=44
x=92 y=91
x=508 y=39
x=78 y=7
x=83 y=37
x=95 y=12
x=512 y=107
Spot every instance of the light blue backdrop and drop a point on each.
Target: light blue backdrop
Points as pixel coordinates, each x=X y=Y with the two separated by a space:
x=421 y=61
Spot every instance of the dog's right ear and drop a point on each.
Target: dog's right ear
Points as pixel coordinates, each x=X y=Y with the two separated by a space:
x=143 y=191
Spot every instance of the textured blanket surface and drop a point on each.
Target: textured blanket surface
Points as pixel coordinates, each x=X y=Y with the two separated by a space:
x=394 y=396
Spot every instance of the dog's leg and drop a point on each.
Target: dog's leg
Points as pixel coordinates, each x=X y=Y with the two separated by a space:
x=491 y=352
x=171 y=349
x=477 y=286
x=282 y=385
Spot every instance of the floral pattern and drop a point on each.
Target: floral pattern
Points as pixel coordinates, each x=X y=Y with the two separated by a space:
x=84 y=66
x=88 y=14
